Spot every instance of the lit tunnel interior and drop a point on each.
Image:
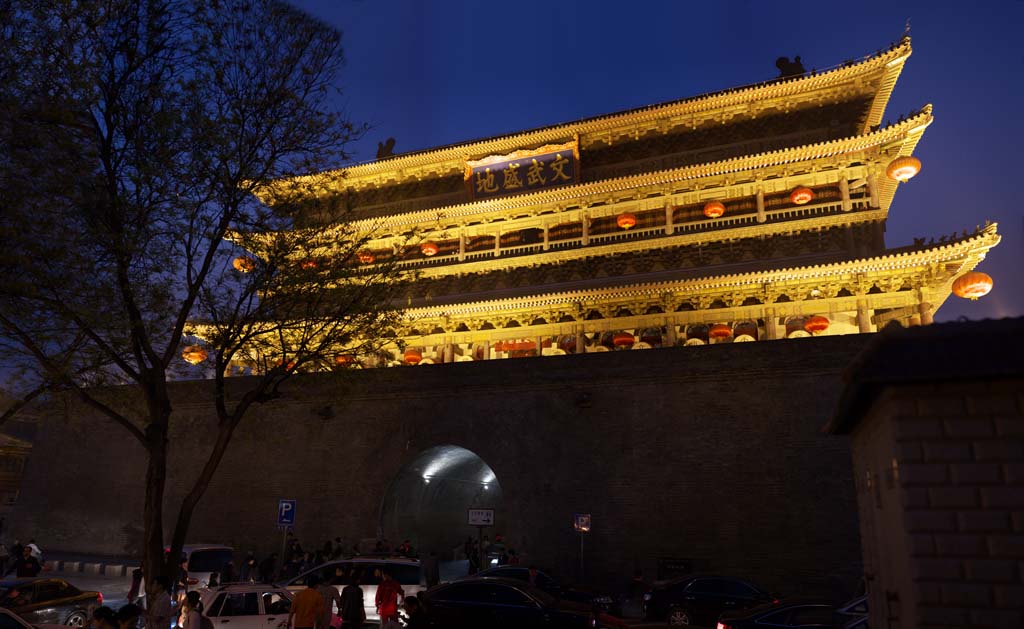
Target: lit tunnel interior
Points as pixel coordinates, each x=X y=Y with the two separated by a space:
x=427 y=501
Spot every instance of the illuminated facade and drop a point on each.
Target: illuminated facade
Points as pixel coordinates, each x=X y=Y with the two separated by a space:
x=752 y=214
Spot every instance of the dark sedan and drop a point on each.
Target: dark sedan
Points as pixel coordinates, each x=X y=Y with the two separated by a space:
x=700 y=599
x=507 y=603
x=49 y=601
x=544 y=581
x=781 y=615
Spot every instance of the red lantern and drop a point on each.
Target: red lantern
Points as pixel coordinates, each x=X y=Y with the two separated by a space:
x=243 y=264
x=413 y=355
x=622 y=339
x=816 y=324
x=194 y=354
x=567 y=344
x=626 y=221
x=745 y=328
x=429 y=248
x=308 y=263
x=904 y=168
x=287 y=367
x=714 y=209
x=972 y=285
x=344 y=360
x=651 y=336
x=366 y=257
x=801 y=195
x=720 y=331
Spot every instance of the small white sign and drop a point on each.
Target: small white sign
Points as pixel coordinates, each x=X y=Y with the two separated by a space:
x=481 y=517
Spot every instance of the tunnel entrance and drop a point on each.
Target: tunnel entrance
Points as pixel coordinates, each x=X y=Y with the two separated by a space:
x=428 y=500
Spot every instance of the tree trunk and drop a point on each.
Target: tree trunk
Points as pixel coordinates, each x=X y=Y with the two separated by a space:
x=155 y=561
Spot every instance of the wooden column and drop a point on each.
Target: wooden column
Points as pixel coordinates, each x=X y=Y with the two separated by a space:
x=761 y=216
x=670 y=332
x=580 y=340
x=863 y=316
x=462 y=246
x=873 y=189
x=487 y=350
x=584 y=220
x=770 y=333
x=669 y=212
x=449 y=352
x=925 y=310
x=844 y=189
x=497 y=243
x=540 y=345
x=546 y=240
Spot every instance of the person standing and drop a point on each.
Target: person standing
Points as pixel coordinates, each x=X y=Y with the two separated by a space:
x=5 y=556
x=191 y=612
x=353 y=613
x=307 y=606
x=36 y=552
x=158 y=616
x=267 y=567
x=26 y=565
x=250 y=569
x=331 y=598
x=431 y=569
x=388 y=593
x=417 y=616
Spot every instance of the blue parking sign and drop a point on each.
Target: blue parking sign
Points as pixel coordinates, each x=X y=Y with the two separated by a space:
x=285 y=512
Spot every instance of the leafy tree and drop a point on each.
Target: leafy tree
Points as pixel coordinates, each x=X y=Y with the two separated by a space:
x=135 y=136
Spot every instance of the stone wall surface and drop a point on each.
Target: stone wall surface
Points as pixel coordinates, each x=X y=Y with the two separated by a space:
x=713 y=454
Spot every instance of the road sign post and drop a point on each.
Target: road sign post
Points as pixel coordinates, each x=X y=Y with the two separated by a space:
x=480 y=518
x=285 y=522
x=581 y=522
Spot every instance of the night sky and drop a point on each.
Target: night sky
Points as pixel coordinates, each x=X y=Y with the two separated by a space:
x=431 y=73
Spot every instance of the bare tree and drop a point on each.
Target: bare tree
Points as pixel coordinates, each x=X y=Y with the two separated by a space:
x=134 y=135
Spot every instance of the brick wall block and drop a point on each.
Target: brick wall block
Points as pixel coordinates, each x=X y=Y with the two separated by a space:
x=917 y=428
x=922 y=544
x=997 y=618
x=930 y=593
x=967 y=594
x=915 y=498
x=976 y=473
x=920 y=520
x=1006 y=545
x=947 y=451
x=1003 y=450
x=991 y=570
x=1002 y=497
x=1009 y=595
x=1012 y=426
x=937 y=569
x=1014 y=473
x=943 y=617
x=923 y=474
x=953 y=496
x=992 y=404
x=969 y=427
x=984 y=521
x=909 y=451
x=960 y=544
x=940 y=405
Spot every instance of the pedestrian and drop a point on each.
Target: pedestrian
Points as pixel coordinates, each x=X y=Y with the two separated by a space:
x=267 y=567
x=405 y=548
x=532 y=575
x=16 y=550
x=181 y=583
x=158 y=615
x=250 y=568
x=307 y=606
x=104 y=618
x=339 y=548
x=26 y=565
x=191 y=612
x=417 y=615
x=388 y=593
x=136 y=586
x=128 y=616
x=332 y=599
x=5 y=556
x=38 y=554
x=431 y=569
x=473 y=554
x=503 y=558
x=228 y=574
x=513 y=558
x=353 y=613
x=307 y=563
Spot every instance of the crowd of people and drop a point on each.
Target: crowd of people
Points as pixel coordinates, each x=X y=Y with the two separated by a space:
x=25 y=560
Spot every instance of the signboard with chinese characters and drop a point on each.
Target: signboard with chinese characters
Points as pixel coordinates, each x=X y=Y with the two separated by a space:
x=481 y=517
x=523 y=171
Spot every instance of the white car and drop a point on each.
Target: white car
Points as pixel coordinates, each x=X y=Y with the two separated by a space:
x=246 y=606
x=10 y=620
x=205 y=560
x=406 y=571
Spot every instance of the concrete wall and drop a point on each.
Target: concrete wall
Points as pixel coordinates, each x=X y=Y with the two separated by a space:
x=942 y=516
x=712 y=453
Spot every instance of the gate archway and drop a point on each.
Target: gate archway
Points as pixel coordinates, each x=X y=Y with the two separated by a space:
x=428 y=499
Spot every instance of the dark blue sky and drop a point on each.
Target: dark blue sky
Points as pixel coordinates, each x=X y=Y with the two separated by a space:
x=433 y=72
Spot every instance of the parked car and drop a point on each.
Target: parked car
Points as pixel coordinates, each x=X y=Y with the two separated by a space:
x=10 y=620
x=781 y=615
x=406 y=571
x=700 y=599
x=576 y=593
x=49 y=601
x=205 y=560
x=495 y=602
x=247 y=606
x=854 y=608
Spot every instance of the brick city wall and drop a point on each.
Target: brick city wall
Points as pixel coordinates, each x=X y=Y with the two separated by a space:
x=713 y=454
x=944 y=526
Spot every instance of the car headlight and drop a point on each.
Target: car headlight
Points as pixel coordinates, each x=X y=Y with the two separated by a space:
x=603 y=600
x=647 y=596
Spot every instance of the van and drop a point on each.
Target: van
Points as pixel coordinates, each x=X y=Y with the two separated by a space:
x=205 y=560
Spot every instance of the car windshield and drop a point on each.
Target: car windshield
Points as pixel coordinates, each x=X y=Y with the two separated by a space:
x=209 y=560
